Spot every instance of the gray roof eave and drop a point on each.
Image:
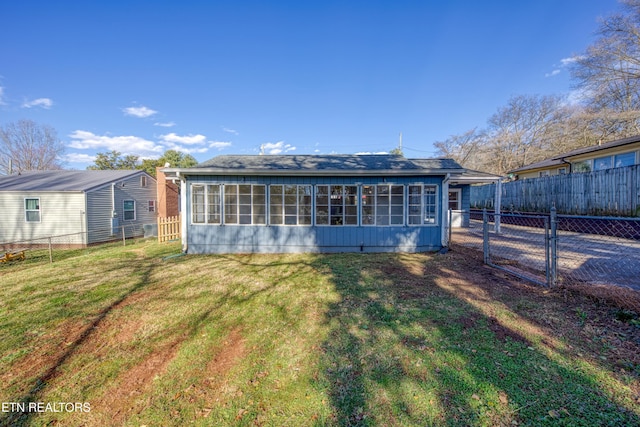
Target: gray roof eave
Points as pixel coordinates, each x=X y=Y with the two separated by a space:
x=317 y=172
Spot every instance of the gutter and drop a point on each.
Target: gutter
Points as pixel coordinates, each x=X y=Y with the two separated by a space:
x=314 y=172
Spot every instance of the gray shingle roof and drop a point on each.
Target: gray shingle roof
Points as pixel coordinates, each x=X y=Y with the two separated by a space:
x=323 y=164
x=62 y=180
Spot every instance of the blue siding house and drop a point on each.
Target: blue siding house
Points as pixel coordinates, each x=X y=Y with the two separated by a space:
x=315 y=203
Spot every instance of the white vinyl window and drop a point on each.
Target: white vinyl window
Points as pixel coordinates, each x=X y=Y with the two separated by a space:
x=244 y=204
x=32 y=210
x=383 y=204
x=290 y=204
x=336 y=205
x=205 y=204
x=129 y=209
x=423 y=204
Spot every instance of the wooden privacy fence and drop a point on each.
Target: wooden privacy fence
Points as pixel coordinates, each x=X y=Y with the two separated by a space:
x=610 y=192
x=168 y=228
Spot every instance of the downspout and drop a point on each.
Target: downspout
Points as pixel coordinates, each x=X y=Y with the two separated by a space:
x=445 y=209
x=183 y=212
x=114 y=214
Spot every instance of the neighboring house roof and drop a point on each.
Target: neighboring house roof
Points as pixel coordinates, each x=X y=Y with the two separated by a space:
x=351 y=164
x=474 y=177
x=559 y=159
x=63 y=180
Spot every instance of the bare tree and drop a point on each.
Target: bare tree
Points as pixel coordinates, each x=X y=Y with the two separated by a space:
x=26 y=145
x=609 y=73
x=523 y=131
x=466 y=148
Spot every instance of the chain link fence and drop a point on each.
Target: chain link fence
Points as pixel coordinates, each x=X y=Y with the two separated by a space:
x=59 y=247
x=557 y=249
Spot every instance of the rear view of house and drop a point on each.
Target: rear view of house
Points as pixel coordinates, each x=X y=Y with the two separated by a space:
x=317 y=203
x=84 y=206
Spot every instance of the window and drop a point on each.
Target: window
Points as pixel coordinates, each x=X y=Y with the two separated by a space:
x=336 y=205
x=32 y=210
x=423 y=204
x=602 y=163
x=626 y=159
x=290 y=204
x=129 y=207
x=143 y=181
x=152 y=205
x=562 y=171
x=583 y=166
x=454 y=199
x=205 y=205
x=542 y=174
x=383 y=204
x=244 y=204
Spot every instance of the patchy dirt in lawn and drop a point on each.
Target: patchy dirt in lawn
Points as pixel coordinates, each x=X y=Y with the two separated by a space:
x=120 y=401
x=44 y=359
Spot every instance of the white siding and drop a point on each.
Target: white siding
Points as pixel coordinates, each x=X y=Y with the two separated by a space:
x=99 y=208
x=61 y=213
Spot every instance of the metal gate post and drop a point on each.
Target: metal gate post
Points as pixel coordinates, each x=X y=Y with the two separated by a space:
x=485 y=236
x=547 y=256
x=554 y=247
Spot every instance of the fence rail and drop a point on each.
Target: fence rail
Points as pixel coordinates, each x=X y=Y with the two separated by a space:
x=613 y=192
x=169 y=228
x=57 y=247
x=558 y=249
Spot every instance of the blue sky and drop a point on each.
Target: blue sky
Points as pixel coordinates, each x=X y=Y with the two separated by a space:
x=295 y=77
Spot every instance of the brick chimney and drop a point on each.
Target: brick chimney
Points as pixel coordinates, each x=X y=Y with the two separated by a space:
x=167 y=196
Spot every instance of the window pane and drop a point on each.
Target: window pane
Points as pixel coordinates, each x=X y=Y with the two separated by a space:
x=626 y=159
x=32 y=204
x=197 y=204
x=33 y=216
x=213 y=204
x=602 y=163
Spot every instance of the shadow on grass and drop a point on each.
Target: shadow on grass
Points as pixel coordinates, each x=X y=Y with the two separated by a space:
x=405 y=348
x=40 y=384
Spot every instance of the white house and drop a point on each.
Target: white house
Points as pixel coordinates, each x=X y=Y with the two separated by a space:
x=85 y=206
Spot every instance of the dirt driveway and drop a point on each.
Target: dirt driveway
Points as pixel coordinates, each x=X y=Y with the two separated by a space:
x=585 y=258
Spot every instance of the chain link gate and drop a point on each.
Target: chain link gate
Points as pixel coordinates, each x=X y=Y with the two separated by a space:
x=522 y=245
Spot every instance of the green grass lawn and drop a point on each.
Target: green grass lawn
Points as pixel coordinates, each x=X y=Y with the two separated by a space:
x=141 y=337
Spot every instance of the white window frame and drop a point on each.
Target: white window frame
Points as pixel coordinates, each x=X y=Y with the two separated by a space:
x=332 y=202
x=27 y=210
x=210 y=205
x=422 y=205
x=458 y=200
x=375 y=217
x=288 y=210
x=125 y=210
x=240 y=206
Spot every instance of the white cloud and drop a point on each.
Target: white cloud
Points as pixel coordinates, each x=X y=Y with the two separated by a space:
x=140 y=112
x=277 y=147
x=564 y=63
x=125 y=144
x=568 y=61
x=361 y=153
x=79 y=158
x=219 y=144
x=233 y=131
x=165 y=125
x=40 y=102
x=187 y=139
